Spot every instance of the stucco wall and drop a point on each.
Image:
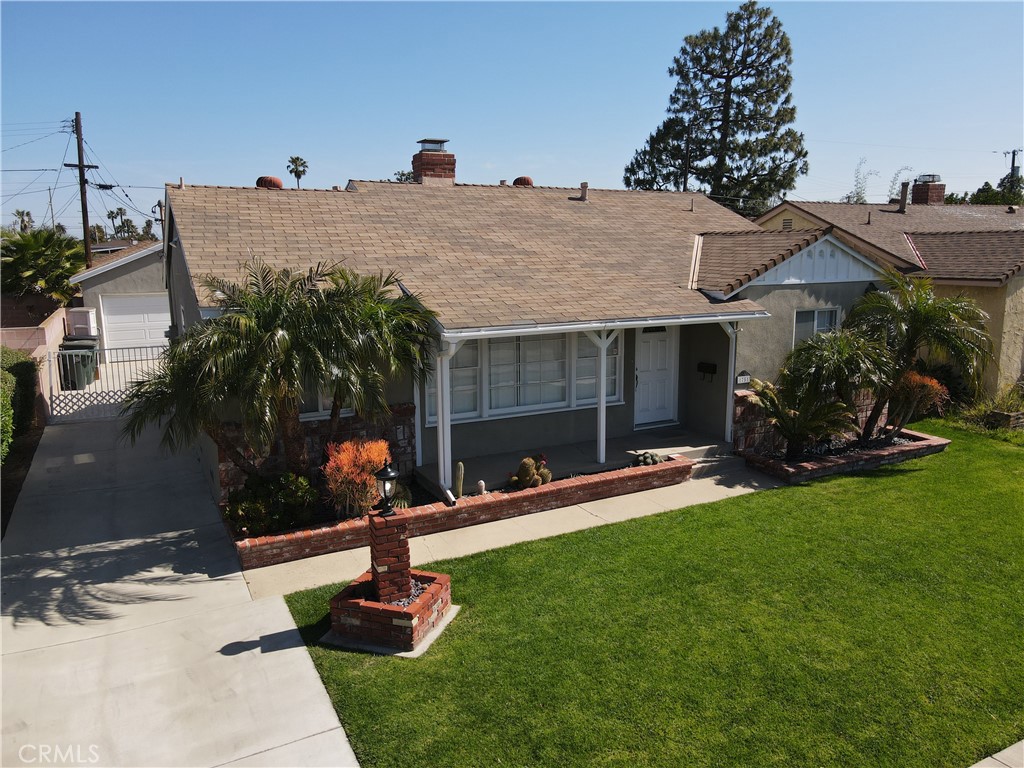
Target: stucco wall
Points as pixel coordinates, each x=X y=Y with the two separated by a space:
x=144 y=275
x=1005 y=307
x=703 y=397
x=762 y=345
x=184 y=304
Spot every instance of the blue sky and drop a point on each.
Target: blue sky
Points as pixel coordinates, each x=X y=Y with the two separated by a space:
x=220 y=93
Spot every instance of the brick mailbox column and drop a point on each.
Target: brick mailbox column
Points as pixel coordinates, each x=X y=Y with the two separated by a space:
x=389 y=557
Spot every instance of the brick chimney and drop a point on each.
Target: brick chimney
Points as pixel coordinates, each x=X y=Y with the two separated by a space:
x=432 y=165
x=928 y=190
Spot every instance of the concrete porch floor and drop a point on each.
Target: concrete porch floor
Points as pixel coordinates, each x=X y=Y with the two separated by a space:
x=581 y=458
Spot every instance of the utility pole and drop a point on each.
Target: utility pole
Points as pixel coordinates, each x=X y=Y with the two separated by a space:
x=81 y=166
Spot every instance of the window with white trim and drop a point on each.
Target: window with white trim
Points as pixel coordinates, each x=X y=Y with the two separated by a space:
x=586 y=370
x=813 y=321
x=492 y=378
x=465 y=376
x=527 y=372
x=317 y=407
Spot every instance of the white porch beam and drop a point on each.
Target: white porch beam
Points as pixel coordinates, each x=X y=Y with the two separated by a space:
x=603 y=340
x=732 y=329
x=446 y=351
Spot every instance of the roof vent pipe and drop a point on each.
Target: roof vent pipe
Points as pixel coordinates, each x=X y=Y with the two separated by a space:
x=584 y=186
x=503 y=183
x=904 y=191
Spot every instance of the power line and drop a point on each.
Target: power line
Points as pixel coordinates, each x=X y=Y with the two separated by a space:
x=26 y=170
x=33 y=141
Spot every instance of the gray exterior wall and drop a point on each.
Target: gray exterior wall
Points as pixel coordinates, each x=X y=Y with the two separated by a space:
x=703 y=398
x=184 y=304
x=144 y=275
x=762 y=345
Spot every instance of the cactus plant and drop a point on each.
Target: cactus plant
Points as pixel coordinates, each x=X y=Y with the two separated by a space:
x=532 y=472
x=460 y=475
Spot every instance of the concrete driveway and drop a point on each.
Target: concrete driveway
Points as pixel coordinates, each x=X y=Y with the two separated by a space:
x=129 y=635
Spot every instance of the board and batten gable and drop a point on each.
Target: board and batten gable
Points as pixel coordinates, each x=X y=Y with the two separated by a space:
x=825 y=275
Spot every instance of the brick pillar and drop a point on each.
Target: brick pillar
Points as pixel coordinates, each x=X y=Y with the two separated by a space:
x=389 y=557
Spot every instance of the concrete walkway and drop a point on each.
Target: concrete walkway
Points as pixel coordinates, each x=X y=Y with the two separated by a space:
x=129 y=637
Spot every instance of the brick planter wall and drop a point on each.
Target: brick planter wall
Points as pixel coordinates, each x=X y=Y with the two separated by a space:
x=400 y=433
x=873 y=458
x=358 y=619
x=470 y=510
x=752 y=432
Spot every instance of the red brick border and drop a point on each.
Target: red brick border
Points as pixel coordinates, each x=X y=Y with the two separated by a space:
x=358 y=617
x=432 y=518
x=923 y=445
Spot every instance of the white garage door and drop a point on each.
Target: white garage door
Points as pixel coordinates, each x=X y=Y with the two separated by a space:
x=135 y=320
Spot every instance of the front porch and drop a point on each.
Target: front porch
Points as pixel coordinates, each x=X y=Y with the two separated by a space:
x=579 y=458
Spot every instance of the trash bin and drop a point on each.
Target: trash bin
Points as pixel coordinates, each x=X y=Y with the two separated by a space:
x=78 y=367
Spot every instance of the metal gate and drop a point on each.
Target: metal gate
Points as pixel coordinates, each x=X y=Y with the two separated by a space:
x=92 y=383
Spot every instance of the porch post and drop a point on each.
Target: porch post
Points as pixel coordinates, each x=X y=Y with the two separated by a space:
x=602 y=341
x=444 y=413
x=732 y=329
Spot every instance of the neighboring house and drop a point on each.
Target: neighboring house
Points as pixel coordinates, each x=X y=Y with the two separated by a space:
x=127 y=290
x=975 y=250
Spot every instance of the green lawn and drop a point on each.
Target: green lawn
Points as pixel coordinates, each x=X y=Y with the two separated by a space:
x=873 y=621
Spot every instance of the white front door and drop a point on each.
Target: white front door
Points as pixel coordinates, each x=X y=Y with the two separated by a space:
x=656 y=375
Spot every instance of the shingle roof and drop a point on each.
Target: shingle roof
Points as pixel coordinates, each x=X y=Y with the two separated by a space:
x=481 y=256
x=103 y=258
x=971 y=255
x=729 y=260
x=884 y=227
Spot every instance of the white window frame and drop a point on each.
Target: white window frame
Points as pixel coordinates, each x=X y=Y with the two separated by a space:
x=572 y=402
x=324 y=412
x=817 y=312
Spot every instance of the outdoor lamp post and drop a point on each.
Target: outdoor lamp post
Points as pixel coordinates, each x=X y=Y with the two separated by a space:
x=387 y=476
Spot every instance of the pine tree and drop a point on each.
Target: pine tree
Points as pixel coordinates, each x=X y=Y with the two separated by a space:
x=730 y=115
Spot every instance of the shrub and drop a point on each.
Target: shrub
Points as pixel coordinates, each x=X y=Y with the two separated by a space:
x=349 y=473
x=23 y=396
x=270 y=504
x=7 y=385
x=914 y=396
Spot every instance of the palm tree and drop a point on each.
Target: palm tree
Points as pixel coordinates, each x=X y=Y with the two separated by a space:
x=297 y=167
x=24 y=219
x=837 y=364
x=800 y=414
x=907 y=319
x=41 y=261
x=279 y=335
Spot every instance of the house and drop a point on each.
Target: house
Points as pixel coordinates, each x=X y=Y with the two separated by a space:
x=566 y=315
x=126 y=290
x=974 y=250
